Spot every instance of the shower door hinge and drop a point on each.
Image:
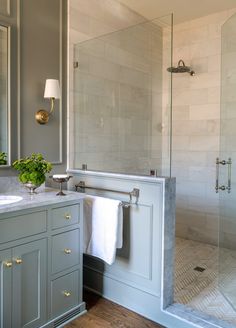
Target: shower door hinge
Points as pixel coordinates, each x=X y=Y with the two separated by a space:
x=218 y=163
x=76 y=64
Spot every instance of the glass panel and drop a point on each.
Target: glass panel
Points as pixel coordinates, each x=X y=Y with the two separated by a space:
x=227 y=228
x=122 y=100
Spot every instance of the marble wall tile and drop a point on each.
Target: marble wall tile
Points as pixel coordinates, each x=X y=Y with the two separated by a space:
x=10 y=184
x=204 y=112
x=198 y=96
x=198 y=34
x=196 y=125
x=214 y=62
x=97 y=17
x=180 y=112
x=205 y=143
x=181 y=52
x=200 y=65
x=180 y=143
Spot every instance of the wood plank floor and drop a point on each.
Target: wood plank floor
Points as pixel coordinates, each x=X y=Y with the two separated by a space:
x=105 y=314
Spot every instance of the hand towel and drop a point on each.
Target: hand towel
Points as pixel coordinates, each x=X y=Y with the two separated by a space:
x=103 y=227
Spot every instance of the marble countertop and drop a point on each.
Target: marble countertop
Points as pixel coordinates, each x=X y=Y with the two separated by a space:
x=124 y=176
x=43 y=197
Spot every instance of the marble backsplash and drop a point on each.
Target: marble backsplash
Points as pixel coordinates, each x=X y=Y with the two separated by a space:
x=12 y=184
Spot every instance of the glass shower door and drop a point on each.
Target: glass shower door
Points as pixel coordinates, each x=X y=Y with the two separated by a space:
x=226 y=165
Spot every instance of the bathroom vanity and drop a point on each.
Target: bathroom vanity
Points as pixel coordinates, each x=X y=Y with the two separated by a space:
x=41 y=260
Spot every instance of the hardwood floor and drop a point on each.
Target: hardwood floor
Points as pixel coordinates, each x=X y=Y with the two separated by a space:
x=105 y=314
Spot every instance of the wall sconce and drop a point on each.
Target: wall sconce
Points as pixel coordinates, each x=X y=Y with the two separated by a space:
x=52 y=91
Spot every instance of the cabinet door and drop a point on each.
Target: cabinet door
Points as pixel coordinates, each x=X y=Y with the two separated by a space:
x=5 y=288
x=29 y=284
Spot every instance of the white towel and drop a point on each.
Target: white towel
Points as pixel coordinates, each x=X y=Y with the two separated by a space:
x=103 y=227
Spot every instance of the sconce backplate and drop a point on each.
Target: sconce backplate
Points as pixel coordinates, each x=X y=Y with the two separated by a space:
x=42 y=116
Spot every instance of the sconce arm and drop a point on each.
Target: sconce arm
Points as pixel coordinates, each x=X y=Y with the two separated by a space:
x=52 y=105
x=42 y=115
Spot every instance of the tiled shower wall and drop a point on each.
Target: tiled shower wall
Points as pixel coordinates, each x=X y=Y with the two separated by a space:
x=196 y=126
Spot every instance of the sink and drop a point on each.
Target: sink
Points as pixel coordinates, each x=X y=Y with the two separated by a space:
x=5 y=199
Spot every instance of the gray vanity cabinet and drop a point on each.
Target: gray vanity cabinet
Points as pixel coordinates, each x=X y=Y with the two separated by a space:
x=23 y=285
x=5 y=288
x=29 y=278
x=41 y=266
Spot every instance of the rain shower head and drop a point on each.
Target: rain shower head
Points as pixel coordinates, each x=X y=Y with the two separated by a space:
x=181 y=68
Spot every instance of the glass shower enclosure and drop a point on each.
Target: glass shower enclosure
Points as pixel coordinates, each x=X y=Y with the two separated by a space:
x=226 y=173
x=122 y=101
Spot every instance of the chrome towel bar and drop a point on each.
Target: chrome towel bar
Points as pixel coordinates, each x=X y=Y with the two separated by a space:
x=134 y=193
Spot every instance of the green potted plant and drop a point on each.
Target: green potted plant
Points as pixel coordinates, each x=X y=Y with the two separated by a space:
x=32 y=170
x=3 y=158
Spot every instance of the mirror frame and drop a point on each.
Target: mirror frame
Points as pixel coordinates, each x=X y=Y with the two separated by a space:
x=8 y=134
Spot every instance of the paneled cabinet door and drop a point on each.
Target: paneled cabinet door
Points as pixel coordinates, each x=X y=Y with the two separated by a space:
x=29 y=284
x=5 y=288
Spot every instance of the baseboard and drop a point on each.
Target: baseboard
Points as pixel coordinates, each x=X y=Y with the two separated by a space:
x=67 y=317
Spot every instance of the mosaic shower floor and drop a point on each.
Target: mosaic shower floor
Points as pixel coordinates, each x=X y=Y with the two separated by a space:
x=199 y=289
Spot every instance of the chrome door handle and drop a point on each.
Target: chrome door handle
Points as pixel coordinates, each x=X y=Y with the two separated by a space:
x=229 y=163
x=217 y=174
x=222 y=188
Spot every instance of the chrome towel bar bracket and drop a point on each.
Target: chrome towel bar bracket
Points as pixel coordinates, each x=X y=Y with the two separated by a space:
x=80 y=187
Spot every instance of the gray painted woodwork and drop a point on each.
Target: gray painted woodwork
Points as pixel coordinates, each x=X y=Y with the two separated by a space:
x=66 y=241
x=135 y=279
x=32 y=293
x=38 y=51
x=40 y=59
x=141 y=278
x=4 y=95
x=29 y=285
x=5 y=289
x=8 y=17
x=5 y=7
x=65 y=216
x=22 y=226
x=66 y=284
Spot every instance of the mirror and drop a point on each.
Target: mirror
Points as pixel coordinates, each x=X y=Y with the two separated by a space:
x=4 y=97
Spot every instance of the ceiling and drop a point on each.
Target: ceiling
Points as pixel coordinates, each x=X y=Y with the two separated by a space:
x=183 y=10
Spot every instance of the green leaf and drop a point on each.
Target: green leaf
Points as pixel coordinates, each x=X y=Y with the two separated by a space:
x=32 y=168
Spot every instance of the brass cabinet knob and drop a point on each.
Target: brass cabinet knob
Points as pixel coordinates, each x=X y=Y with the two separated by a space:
x=67 y=294
x=18 y=261
x=67 y=251
x=67 y=216
x=8 y=264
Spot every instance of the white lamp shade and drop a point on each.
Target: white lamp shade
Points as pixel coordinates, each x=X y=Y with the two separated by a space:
x=52 y=89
